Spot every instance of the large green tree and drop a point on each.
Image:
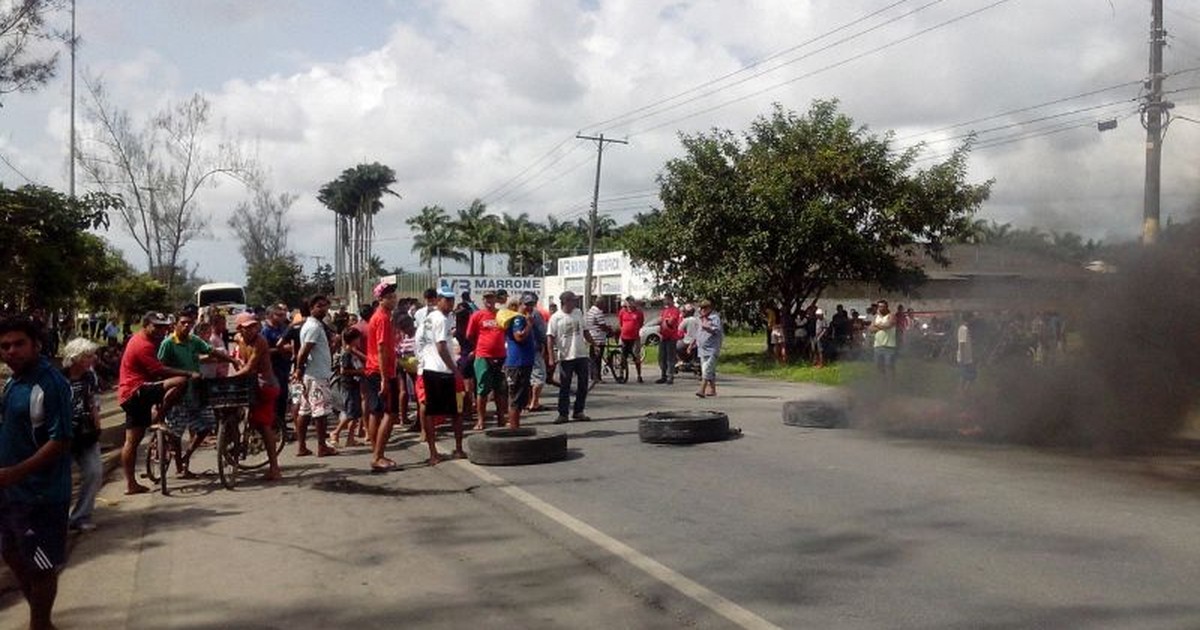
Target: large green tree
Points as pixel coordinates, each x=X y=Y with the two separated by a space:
x=279 y=279
x=45 y=245
x=795 y=203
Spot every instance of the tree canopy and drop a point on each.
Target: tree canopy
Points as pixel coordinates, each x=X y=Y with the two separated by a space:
x=24 y=64
x=795 y=203
x=45 y=245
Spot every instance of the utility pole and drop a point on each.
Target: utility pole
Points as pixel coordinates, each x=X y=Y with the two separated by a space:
x=72 y=151
x=587 y=276
x=1153 y=113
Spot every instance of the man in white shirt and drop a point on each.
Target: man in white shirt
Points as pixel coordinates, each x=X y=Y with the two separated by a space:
x=569 y=340
x=314 y=368
x=883 y=328
x=965 y=355
x=435 y=334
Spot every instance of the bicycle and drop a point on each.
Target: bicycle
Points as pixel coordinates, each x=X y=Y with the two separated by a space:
x=159 y=453
x=613 y=362
x=239 y=446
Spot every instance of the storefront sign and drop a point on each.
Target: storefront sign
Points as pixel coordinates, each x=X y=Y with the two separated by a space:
x=477 y=284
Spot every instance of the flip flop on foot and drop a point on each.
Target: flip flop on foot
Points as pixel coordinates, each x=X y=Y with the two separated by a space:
x=273 y=476
x=327 y=451
x=699 y=394
x=137 y=490
x=303 y=452
x=459 y=455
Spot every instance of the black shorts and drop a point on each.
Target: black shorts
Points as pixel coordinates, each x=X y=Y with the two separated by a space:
x=37 y=532
x=441 y=399
x=629 y=347
x=519 y=388
x=139 y=407
x=375 y=402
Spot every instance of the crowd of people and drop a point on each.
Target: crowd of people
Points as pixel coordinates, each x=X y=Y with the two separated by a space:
x=339 y=373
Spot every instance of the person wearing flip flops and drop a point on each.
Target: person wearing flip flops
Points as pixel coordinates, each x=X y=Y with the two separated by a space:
x=384 y=387
x=313 y=369
x=708 y=342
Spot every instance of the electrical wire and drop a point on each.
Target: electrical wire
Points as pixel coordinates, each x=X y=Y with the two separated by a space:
x=16 y=170
x=826 y=68
x=545 y=155
x=630 y=116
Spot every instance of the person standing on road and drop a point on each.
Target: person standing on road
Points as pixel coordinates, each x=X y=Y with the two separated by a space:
x=255 y=355
x=314 y=368
x=569 y=342
x=488 y=338
x=884 y=333
x=520 y=354
x=964 y=356
x=79 y=355
x=384 y=388
x=631 y=319
x=669 y=321
x=274 y=327
x=465 y=364
x=35 y=468
x=598 y=328
x=537 y=319
x=138 y=392
x=437 y=376
x=690 y=326
x=708 y=342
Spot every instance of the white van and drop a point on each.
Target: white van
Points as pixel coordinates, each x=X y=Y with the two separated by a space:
x=227 y=296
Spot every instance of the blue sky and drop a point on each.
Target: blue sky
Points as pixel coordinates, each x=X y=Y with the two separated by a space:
x=461 y=96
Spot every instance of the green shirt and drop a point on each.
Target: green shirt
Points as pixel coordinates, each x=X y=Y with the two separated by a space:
x=183 y=355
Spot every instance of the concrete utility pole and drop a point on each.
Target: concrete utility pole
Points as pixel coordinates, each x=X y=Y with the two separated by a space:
x=1153 y=112
x=587 y=276
x=72 y=150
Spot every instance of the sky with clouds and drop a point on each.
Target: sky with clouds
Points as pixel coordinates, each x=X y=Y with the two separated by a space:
x=467 y=98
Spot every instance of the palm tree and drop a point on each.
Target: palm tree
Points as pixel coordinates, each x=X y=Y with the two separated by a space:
x=435 y=237
x=478 y=232
x=356 y=196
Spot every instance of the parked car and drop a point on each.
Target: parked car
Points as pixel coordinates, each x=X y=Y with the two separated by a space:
x=649 y=333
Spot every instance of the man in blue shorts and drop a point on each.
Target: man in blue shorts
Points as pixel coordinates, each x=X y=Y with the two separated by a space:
x=35 y=468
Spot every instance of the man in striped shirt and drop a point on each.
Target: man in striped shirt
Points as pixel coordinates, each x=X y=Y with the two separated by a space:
x=597 y=326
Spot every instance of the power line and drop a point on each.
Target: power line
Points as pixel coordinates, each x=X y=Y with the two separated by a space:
x=16 y=170
x=556 y=178
x=754 y=64
x=534 y=175
x=826 y=68
x=526 y=169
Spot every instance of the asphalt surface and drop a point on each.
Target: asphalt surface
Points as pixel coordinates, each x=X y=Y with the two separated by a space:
x=782 y=526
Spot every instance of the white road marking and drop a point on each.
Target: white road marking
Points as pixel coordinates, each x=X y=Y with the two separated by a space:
x=714 y=602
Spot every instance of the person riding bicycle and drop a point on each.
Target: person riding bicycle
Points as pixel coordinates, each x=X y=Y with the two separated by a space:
x=186 y=351
x=145 y=400
x=255 y=355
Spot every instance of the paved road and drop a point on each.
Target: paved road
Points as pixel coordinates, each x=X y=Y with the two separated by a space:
x=784 y=526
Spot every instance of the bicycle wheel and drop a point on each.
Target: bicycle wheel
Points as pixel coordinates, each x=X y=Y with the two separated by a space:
x=253 y=448
x=152 y=457
x=164 y=459
x=621 y=369
x=227 y=452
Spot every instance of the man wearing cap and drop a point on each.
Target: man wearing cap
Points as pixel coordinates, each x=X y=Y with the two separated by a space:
x=255 y=355
x=437 y=375
x=631 y=319
x=669 y=332
x=521 y=352
x=384 y=389
x=488 y=339
x=139 y=389
x=569 y=342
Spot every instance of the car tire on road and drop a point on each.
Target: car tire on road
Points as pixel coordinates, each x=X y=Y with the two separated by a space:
x=513 y=447
x=821 y=412
x=683 y=427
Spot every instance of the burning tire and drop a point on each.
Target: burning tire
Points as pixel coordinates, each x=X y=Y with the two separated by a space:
x=826 y=411
x=683 y=427
x=514 y=447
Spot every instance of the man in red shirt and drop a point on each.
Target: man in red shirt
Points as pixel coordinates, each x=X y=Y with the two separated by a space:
x=632 y=319
x=384 y=389
x=138 y=391
x=669 y=332
x=488 y=337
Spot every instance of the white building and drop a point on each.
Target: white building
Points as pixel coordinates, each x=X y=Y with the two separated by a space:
x=613 y=275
